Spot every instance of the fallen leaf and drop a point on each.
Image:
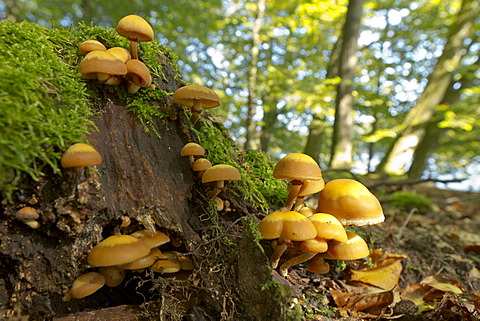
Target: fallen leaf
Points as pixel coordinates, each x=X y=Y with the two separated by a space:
x=385 y=277
x=353 y=303
x=473 y=248
x=440 y=283
x=415 y=292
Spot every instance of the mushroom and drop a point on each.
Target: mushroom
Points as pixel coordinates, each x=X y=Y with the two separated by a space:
x=286 y=226
x=137 y=76
x=191 y=150
x=168 y=262
x=121 y=53
x=152 y=240
x=146 y=261
x=318 y=265
x=306 y=211
x=355 y=248
x=85 y=285
x=113 y=275
x=91 y=45
x=308 y=187
x=201 y=165
x=117 y=250
x=197 y=97
x=328 y=228
x=219 y=174
x=297 y=167
x=350 y=202
x=104 y=66
x=80 y=155
x=135 y=29
x=28 y=215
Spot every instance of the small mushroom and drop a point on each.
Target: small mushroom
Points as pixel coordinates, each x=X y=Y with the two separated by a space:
x=113 y=275
x=309 y=248
x=318 y=265
x=121 y=53
x=104 y=66
x=117 y=250
x=86 y=284
x=91 y=45
x=309 y=187
x=168 y=262
x=191 y=150
x=135 y=29
x=26 y=214
x=355 y=248
x=152 y=240
x=197 y=97
x=201 y=165
x=297 y=167
x=80 y=155
x=350 y=202
x=286 y=226
x=219 y=174
x=137 y=76
x=146 y=261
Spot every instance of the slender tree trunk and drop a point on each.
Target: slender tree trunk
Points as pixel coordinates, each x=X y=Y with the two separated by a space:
x=269 y=123
x=315 y=134
x=250 y=124
x=400 y=154
x=341 y=150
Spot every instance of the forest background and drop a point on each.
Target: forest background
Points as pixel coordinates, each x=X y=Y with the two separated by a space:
x=386 y=87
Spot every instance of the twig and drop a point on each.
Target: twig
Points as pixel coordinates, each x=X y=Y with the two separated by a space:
x=405 y=223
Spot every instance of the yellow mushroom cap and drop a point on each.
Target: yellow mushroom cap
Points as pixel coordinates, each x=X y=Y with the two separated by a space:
x=113 y=275
x=146 y=261
x=306 y=211
x=329 y=227
x=86 y=284
x=101 y=62
x=186 y=96
x=138 y=73
x=297 y=166
x=192 y=149
x=311 y=186
x=355 y=248
x=152 y=240
x=167 y=266
x=117 y=250
x=27 y=213
x=121 y=53
x=80 y=155
x=351 y=202
x=318 y=265
x=201 y=164
x=316 y=245
x=135 y=28
x=221 y=172
x=91 y=45
x=289 y=225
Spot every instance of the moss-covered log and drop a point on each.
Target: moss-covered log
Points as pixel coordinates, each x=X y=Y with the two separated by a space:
x=142 y=180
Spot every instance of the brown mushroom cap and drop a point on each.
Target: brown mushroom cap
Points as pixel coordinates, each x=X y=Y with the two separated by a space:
x=117 y=250
x=135 y=28
x=318 y=265
x=297 y=166
x=201 y=164
x=167 y=265
x=316 y=245
x=289 y=225
x=146 y=261
x=101 y=62
x=113 y=275
x=91 y=45
x=355 y=248
x=351 y=202
x=138 y=73
x=80 y=155
x=121 y=53
x=186 y=96
x=86 y=284
x=152 y=240
x=329 y=227
x=193 y=149
x=221 y=172
x=27 y=213
x=311 y=186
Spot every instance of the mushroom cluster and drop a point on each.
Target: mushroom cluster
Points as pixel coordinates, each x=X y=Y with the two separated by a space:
x=319 y=233
x=116 y=65
x=117 y=254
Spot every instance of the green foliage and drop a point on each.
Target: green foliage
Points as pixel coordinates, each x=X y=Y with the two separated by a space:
x=44 y=106
x=408 y=201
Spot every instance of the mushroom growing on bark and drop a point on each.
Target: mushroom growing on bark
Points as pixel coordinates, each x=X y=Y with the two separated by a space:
x=137 y=75
x=85 y=285
x=80 y=155
x=219 y=174
x=197 y=97
x=135 y=29
x=103 y=66
x=191 y=150
x=117 y=250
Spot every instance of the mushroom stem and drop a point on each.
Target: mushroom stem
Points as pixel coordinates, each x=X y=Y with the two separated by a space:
x=133 y=49
x=196 y=110
x=219 y=186
x=304 y=257
x=278 y=252
x=293 y=189
x=191 y=159
x=298 y=203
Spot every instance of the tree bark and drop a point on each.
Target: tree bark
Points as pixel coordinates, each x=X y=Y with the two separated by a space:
x=399 y=155
x=250 y=124
x=342 y=147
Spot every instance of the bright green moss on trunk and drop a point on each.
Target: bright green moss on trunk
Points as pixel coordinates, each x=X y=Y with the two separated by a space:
x=44 y=105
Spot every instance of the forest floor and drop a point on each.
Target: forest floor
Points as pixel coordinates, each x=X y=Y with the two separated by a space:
x=425 y=266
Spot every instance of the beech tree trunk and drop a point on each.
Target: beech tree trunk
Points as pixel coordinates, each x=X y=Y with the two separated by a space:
x=399 y=156
x=342 y=146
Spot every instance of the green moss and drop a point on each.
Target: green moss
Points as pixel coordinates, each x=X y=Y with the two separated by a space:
x=408 y=201
x=46 y=106
x=257 y=184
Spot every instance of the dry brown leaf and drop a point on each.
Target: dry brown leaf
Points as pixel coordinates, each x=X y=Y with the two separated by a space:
x=473 y=248
x=361 y=302
x=385 y=276
x=415 y=292
x=441 y=283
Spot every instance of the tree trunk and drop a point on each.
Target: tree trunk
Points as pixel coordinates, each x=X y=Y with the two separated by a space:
x=269 y=123
x=88 y=11
x=250 y=125
x=399 y=156
x=315 y=138
x=341 y=149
